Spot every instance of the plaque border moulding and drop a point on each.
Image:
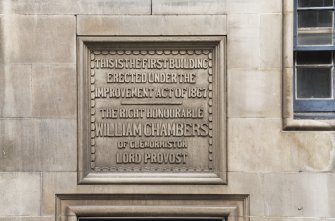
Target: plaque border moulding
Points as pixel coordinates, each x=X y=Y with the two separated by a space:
x=233 y=207
x=88 y=173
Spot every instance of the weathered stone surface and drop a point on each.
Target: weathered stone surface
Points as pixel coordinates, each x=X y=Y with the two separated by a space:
x=249 y=38
x=155 y=25
x=44 y=7
x=20 y=194
x=2 y=39
x=243 y=41
x=73 y=7
x=299 y=194
x=251 y=150
x=311 y=151
x=2 y=6
x=270 y=41
x=243 y=26
x=54 y=91
x=288 y=6
x=239 y=182
x=66 y=182
x=188 y=7
x=37 y=39
x=15 y=90
x=37 y=145
x=287 y=105
x=283 y=219
x=286 y=151
x=260 y=96
x=246 y=49
x=288 y=40
x=28 y=218
x=115 y=7
x=254 y=6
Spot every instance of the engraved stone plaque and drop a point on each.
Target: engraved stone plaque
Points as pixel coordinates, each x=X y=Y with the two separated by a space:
x=151 y=110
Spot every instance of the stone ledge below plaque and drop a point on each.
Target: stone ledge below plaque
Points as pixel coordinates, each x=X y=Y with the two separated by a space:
x=231 y=207
x=151 y=110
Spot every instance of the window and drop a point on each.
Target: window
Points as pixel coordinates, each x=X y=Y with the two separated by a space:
x=314 y=45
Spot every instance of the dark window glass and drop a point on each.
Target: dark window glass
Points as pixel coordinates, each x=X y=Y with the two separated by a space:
x=315 y=39
x=312 y=19
x=313 y=57
x=314 y=82
x=315 y=3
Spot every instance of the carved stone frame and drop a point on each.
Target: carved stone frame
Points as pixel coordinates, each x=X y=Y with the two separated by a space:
x=218 y=176
x=232 y=207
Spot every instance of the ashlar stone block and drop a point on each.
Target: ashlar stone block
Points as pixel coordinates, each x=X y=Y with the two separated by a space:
x=188 y=7
x=243 y=40
x=20 y=194
x=254 y=93
x=115 y=7
x=27 y=218
x=15 y=90
x=2 y=39
x=54 y=91
x=299 y=194
x=38 y=39
x=254 y=6
x=240 y=182
x=270 y=41
x=4 y=6
x=38 y=145
x=255 y=145
x=245 y=49
x=243 y=26
x=311 y=151
x=44 y=7
x=155 y=25
x=284 y=219
x=259 y=145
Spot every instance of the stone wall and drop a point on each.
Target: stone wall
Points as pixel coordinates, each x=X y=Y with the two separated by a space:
x=288 y=174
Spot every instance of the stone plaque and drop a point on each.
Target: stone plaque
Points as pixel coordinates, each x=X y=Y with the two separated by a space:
x=152 y=110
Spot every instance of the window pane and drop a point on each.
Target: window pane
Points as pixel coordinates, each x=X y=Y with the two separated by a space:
x=310 y=19
x=315 y=3
x=314 y=57
x=315 y=38
x=314 y=83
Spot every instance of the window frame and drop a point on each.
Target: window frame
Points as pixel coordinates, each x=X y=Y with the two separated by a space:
x=295 y=29
x=311 y=108
x=289 y=121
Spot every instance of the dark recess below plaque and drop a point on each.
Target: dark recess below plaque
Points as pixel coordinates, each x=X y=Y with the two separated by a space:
x=148 y=219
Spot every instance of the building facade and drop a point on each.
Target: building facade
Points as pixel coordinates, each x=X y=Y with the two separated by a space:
x=241 y=150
